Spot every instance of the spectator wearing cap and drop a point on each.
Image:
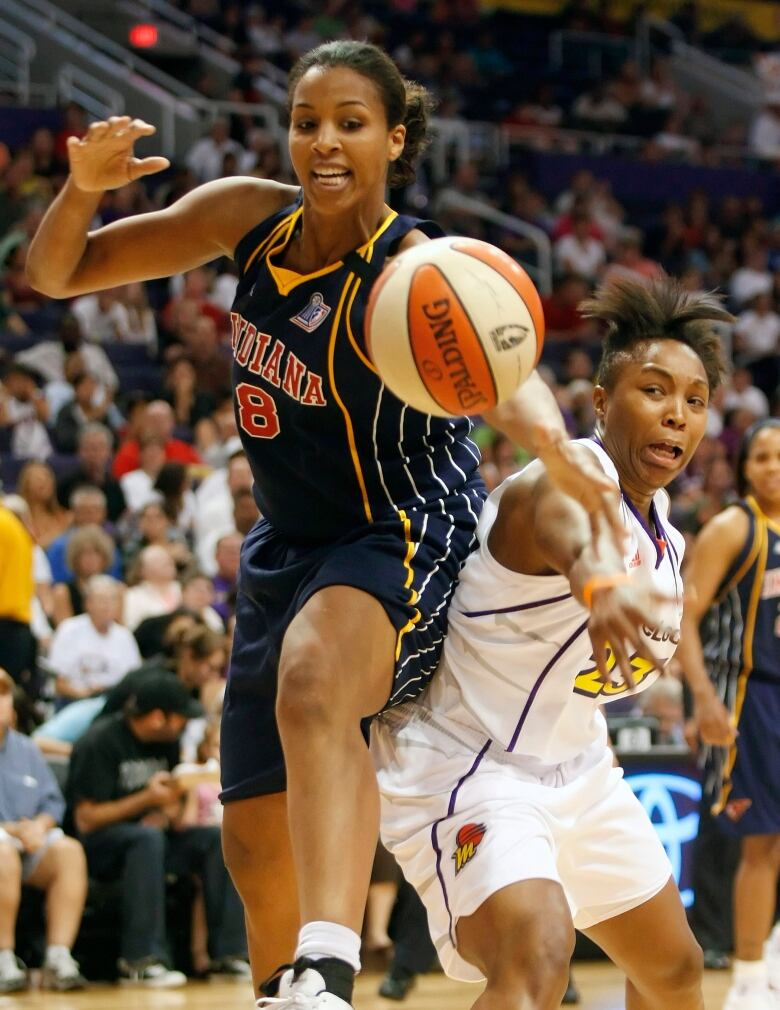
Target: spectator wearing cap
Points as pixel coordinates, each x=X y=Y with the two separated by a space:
x=95 y=443
x=92 y=652
x=34 y=851
x=158 y=420
x=127 y=809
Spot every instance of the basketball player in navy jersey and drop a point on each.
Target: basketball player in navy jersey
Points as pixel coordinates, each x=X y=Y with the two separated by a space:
x=369 y=507
x=733 y=667
x=500 y=799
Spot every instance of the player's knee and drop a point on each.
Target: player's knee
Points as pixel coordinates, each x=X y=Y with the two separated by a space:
x=10 y=864
x=307 y=687
x=682 y=972
x=536 y=954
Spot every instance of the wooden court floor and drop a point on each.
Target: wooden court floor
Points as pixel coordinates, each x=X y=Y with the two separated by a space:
x=600 y=984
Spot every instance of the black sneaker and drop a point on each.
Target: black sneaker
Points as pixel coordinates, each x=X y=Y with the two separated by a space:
x=322 y=984
x=397 y=983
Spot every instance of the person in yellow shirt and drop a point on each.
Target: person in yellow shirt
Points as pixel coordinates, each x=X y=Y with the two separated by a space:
x=17 y=643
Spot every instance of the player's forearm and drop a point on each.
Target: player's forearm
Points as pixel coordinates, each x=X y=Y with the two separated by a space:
x=531 y=418
x=61 y=240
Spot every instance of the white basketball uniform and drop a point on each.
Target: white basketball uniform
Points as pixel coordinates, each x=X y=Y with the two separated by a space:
x=501 y=772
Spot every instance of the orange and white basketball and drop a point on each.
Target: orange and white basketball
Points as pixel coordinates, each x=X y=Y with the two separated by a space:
x=454 y=326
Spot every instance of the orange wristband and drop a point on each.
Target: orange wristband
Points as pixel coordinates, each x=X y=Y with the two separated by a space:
x=596 y=582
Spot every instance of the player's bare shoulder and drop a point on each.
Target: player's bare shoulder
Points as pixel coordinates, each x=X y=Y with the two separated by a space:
x=725 y=532
x=228 y=208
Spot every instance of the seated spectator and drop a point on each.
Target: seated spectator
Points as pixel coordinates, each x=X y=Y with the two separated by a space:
x=214 y=503
x=36 y=484
x=94 y=455
x=23 y=409
x=158 y=420
x=141 y=324
x=752 y=278
x=190 y=404
x=210 y=361
x=17 y=643
x=599 y=109
x=157 y=592
x=34 y=851
x=48 y=357
x=245 y=515
x=102 y=317
x=82 y=410
x=90 y=552
x=153 y=527
x=664 y=702
x=138 y=485
x=205 y=157
x=174 y=488
x=629 y=261
x=127 y=809
x=227 y=556
x=764 y=136
x=741 y=394
x=88 y=508
x=158 y=636
x=757 y=341
x=579 y=252
x=92 y=652
x=197 y=595
x=561 y=313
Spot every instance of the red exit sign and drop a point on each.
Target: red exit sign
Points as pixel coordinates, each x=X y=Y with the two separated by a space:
x=143 y=36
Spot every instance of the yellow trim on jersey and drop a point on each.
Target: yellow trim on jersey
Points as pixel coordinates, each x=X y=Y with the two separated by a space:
x=347 y=419
x=355 y=347
x=267 y=240
x=773 y=526
x=747 y=649
x=414 y=595
x=752 y=554
x=286 y=280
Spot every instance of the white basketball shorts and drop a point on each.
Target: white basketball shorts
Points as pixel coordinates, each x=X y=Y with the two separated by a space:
x=463 y=824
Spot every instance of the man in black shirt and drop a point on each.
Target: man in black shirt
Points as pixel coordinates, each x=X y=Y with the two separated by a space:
x=126 y=807
x=94 y=456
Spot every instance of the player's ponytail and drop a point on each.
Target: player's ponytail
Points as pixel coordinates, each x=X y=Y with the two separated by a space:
x=405 y=102
x=419 y=106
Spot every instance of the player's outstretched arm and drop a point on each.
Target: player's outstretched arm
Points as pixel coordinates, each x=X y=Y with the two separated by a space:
x=716 y=547
x=533 y=420
x=66 y=260
x=540 y=530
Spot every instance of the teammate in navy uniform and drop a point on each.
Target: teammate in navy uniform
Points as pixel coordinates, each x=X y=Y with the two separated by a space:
x=735 y=678
x=369 y=507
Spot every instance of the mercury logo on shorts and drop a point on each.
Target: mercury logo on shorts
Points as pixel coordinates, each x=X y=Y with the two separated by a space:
x=466 y=844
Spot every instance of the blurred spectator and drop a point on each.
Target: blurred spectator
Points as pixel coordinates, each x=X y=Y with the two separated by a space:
x=206 y=156
x=244 y=516
x=157 y=591
x=212 y=366
x=741 y=394
x=227 y=556
x=579 y=252
x=83 y=410
x=174 y=486
x=48 y=357
x=190 y=404
x=90 y=552
x=757 y=342
x=24 y=410
x=94 y=456
x=17 y=588
x=152 y=527
x=214 y=502
x=92 y=652
x=664 y=702
x=561 y=313
x=764 y=136
x=88 y=508
x=751 y=279
x=158 y=420
x=629 y=261
x=35 y=852
x=141 y=324
x=197 y=595
x=102 y=317
x=36 y=484
x=137 y=485
x=127 y=809
x=599 y=109
x=75 y=124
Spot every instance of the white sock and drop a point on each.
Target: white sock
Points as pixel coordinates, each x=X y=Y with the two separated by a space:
x=329 y=939
x=55 y=950
x=749 y=973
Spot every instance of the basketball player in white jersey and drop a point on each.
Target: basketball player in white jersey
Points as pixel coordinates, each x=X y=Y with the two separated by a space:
x=500 y=800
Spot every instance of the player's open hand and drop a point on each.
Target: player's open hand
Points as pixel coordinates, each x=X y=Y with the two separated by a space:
x=104 y=159
x=578 y=474
x=714 y=722
x=618 y=615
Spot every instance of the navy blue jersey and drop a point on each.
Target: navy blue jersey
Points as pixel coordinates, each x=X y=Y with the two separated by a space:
x=741 y=642
x=330 y=448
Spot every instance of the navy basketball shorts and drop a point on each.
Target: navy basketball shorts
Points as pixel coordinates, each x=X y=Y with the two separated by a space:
x=409 y=564
x=752 y=803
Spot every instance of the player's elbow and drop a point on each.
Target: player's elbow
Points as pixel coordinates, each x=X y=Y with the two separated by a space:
x=40 y=280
